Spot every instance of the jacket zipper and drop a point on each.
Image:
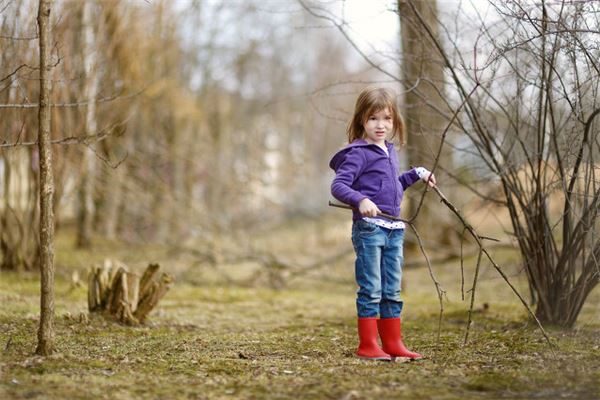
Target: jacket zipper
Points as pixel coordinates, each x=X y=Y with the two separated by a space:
x=393 y=182
x=389 y=157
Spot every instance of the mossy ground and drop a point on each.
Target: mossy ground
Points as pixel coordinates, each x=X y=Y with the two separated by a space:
x=217 y=339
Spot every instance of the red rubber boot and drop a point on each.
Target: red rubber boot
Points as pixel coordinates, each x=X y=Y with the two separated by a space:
x=390 y=330
x=368 y=347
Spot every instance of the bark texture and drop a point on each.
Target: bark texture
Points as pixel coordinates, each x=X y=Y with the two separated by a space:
x=423 y=76
x=46 y=329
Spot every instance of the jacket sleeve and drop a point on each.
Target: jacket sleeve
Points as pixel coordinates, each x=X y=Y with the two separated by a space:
x=408 y=178
x=346 y=173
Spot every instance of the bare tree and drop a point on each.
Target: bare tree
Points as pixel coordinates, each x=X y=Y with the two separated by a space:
x=46 y=329
x=531 y=121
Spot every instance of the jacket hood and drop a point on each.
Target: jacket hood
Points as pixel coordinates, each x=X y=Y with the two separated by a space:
x=338 y=157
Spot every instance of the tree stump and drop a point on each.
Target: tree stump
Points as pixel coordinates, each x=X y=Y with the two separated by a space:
x=114 y=290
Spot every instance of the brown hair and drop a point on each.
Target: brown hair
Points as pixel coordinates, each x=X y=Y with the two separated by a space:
x=370 y=101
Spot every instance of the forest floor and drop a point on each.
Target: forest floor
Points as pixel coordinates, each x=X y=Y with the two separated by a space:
x=227 y=333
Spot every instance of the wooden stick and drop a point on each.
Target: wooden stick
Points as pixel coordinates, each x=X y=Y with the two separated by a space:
x=381 y=214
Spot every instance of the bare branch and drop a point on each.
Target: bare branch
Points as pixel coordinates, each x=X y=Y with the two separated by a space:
x=76 y=104
x=83 y=139
x=438 y=287
x=7 y=77
x=489 y=257
x=340 y=26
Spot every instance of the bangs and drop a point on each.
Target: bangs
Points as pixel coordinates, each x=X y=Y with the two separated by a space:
x=379 y=104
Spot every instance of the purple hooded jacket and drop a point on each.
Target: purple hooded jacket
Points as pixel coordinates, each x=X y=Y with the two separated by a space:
x=363 y=170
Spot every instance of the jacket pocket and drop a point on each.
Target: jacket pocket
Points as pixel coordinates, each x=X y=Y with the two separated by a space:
x=384 y=195
x=373 y=189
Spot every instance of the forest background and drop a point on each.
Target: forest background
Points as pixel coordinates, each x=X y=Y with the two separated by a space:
x=197 y=134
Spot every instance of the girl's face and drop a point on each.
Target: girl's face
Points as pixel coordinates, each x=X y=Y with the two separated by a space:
x=379 y=126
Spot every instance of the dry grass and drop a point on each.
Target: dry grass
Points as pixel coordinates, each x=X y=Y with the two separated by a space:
x=212 y=340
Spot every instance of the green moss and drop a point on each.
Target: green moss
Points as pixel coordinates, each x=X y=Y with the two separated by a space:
x=495 y=381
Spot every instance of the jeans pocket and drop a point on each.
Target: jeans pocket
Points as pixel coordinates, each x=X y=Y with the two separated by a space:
x=366 y=228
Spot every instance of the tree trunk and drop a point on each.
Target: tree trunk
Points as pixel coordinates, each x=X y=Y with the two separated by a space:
x=46 y=328
x=86 y=190
x=422 y=71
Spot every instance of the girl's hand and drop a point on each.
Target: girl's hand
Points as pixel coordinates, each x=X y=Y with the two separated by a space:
x=367 y=208
x=424 y=174
x=430 y=181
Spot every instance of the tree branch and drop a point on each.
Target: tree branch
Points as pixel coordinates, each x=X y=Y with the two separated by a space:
x=75 y=104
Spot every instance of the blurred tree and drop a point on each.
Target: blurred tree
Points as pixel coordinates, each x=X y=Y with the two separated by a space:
x=19 y=230
x=424 y=113
x=221 y=135
x=90 y=79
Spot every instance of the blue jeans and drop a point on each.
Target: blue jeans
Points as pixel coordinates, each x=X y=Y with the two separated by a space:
x=378 y=269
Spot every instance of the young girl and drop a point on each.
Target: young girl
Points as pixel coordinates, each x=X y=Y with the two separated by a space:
x=367 y=178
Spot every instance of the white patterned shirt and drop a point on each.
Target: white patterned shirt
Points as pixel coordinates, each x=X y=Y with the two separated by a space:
x=384 y=223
